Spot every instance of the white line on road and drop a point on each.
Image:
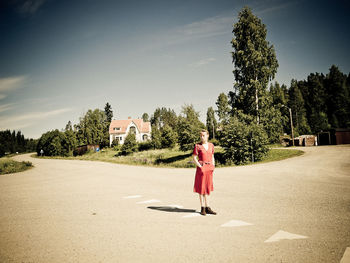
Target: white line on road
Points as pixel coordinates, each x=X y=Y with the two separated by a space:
x=132 y=196
x=283 y=235
x=175 y=206
x=149 y=201
x=346 y=256
x=236 y=223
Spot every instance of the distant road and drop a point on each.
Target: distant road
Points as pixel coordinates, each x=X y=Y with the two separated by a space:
x=294 y=210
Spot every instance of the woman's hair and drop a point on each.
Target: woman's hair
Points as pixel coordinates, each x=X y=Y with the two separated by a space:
x=204 y=130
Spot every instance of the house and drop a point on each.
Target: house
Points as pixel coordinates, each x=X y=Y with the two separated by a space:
x=119 y=129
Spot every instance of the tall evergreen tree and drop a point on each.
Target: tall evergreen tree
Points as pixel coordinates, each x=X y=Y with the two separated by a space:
x=296 y=103
x=211 y=122
x=338 y=102
x=108 y=112
x=254 y=61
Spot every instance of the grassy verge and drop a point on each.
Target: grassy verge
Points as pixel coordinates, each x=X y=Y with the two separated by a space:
x=8 y=166
x=170 y=157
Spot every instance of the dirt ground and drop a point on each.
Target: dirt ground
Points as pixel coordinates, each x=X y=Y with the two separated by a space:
x=295 y=210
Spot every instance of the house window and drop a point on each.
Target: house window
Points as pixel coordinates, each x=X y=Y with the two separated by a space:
x=145 y=137
x=117 y=128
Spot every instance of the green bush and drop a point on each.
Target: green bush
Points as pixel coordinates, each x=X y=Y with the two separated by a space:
x=168 y=139
x=144 y=146
x=115 y=142
x=243 y=142
x=130 y=144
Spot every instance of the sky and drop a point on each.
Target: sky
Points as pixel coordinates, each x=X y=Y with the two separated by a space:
x=60 y=58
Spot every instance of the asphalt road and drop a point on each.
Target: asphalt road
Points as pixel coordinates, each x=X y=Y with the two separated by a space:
x=295 y=210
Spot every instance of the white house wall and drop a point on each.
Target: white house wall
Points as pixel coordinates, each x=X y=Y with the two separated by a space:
x=138 y=135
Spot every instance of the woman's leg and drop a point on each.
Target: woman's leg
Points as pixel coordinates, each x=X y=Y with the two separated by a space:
x=200 y=199
x=205 y=200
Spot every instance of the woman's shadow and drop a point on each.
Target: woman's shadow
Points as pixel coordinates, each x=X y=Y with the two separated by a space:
x=172 y=209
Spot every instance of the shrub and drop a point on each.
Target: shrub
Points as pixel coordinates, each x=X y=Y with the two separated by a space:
x=115 y=142
x=144 y=146
x=243 y=142
x=130 y=144
x=168 y=139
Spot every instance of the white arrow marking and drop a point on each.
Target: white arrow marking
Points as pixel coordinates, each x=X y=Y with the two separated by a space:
x=235 y=223
x=149 y=201
x=175 y=206
x=346 y=256
x=283 y=235
x=132 y=196
x=193 y=215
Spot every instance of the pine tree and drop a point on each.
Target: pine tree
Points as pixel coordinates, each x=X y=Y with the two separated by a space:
x=108 y=112
x=211 y=122
x=296 y=103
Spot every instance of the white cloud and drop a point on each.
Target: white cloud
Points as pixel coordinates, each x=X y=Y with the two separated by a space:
x=6 y=107
x=202 y=62
x=260 y=10
x=28 y=119
x=209 y=27
x=9 y=84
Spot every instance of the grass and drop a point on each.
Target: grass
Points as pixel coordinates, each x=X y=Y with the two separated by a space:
x=8 y=166
x=170 y=157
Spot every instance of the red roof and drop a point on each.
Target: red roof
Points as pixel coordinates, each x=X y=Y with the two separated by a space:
x=144 y=127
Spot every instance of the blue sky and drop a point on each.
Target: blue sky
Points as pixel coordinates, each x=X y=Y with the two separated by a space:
x=60 y=58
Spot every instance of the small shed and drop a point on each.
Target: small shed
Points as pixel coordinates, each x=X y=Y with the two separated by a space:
x=304 y=140
x=334 y=136
x=342 y=136
x=82 y=149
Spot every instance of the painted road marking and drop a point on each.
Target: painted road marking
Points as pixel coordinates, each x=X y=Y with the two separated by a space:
x=175 y=206
x=283 y=235
x=192 y=215
x=149 y=201
x=236 y=223
x=132 y=196
x=346 y=256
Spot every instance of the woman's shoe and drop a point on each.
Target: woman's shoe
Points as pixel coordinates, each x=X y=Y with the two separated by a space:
x=209 y=211
x=203 y=213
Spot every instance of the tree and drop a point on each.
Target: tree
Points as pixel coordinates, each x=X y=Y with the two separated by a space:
x=211 y=122
x=189 y=127
x=130 y=145
x=339 y=98
x=56 y=143
x=254 y=61
x=92 y=128
x=163 y=116
x=223 y=107
x=108 y=113
x=156 y=137
x=69 y=126
x=296 y=103
x=145 y=117
x=168 y=139
x=243 y=140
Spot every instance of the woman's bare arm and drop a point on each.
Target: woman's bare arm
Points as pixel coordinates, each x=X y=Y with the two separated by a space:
x=195 y=159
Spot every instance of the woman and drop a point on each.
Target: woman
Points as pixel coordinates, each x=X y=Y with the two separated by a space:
x=203 y=183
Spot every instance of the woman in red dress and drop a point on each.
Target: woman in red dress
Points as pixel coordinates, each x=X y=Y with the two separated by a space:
x=203 y=183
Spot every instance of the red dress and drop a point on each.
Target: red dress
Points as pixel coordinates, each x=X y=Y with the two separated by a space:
x=203 y=183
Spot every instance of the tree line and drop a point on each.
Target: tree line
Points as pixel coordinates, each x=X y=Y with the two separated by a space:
x=12 y=142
